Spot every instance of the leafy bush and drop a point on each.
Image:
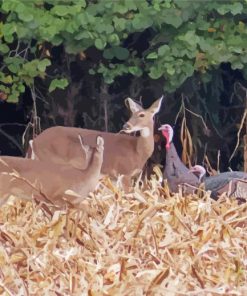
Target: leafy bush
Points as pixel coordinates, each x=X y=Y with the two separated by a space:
x=184 y=37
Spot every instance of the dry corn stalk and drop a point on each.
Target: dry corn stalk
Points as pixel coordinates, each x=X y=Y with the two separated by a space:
x=186 y=140
x=245 y=153
x=147 y=242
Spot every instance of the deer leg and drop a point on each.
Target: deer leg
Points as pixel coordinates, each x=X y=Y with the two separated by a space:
x=126 y=183
x=3 y=201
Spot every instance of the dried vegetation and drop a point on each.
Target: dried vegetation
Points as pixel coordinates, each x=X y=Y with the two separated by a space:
x=147 y=242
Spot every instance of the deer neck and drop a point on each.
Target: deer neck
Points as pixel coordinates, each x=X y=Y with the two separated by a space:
x=145 y=143
x=91 y=175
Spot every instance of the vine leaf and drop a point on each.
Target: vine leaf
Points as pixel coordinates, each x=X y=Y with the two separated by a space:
x=58 y=83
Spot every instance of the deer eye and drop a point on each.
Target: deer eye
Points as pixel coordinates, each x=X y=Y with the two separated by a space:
x=141 y=115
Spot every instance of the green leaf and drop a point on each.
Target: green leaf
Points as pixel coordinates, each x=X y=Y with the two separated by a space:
x=4 y=48
x=163 y=50
x=113 y=39
x=119 y=8
x=23 y=32
x=25 y=15
x=99 y=27
x=57 y=40
x=8 y=29
x=234 y=8
x=155 y=72
x=21 y=88
x=83 y=3
x=121 y=53
x=20 y=7
x=237 y=65
x=81 y=19
x=8 y=39
x=141 y=22
x=190 y=37
x=109 y=29
x=108 y=79
x=243 y=58
x=43 y=64
x=58 y=83
x=13 y=97
x=13 y=64
x=6 y=79
x=136 y=71
x=119 y=23
x=7 y=6
x=83 y=35
x=173 y=18
x=14 y=68
x=60 y=10
x=170 y=71
x=100 y=44
x=108 y=54
x=3 y=88
x=71 y=27
x=152 y=56
x=188 y=69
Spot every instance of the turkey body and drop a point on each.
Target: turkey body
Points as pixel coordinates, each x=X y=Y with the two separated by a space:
x=177 y=173
x=233 y=183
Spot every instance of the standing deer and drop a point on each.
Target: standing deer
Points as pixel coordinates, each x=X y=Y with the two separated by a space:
x=26 y=178
x=123 y=155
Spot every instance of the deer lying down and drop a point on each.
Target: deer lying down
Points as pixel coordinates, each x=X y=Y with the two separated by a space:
x=123 y=155
x=26 y=178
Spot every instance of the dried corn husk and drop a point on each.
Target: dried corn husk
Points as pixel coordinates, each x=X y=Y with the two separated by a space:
x=146 y=242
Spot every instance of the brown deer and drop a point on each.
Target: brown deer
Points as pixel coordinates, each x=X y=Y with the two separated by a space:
x=50 y=182
x=124 y=154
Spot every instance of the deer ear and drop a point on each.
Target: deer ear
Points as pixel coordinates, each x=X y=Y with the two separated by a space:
x=155 y=107
x=84 y=147
x=134 y=107
x=100 y=141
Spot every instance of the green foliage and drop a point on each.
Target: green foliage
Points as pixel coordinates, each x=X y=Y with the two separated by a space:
x=185 y=37
x=116 y=51
x=58 y=83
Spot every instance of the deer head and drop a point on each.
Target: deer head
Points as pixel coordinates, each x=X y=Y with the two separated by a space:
x=141 y=119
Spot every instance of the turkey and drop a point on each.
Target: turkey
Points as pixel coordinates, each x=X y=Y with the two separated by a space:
x=233 y=183
x=175 y=171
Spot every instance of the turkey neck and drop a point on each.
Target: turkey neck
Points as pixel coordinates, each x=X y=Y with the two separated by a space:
x=171 y=152
x=173 y=161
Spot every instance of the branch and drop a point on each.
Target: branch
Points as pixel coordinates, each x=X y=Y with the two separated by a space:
x=12 y=140
x=12 y=124
x=238 y=134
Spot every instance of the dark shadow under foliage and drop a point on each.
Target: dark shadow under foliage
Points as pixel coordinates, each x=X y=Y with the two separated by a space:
x=89 y=102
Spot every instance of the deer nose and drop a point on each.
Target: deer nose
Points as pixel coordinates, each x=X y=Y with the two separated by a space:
x=126 y=126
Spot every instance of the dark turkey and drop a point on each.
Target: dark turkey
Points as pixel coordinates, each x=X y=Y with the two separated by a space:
x=175 y=171
x=233 y=183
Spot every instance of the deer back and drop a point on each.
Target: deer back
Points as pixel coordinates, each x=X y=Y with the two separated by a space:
x=25 y=178
x=123 y=154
